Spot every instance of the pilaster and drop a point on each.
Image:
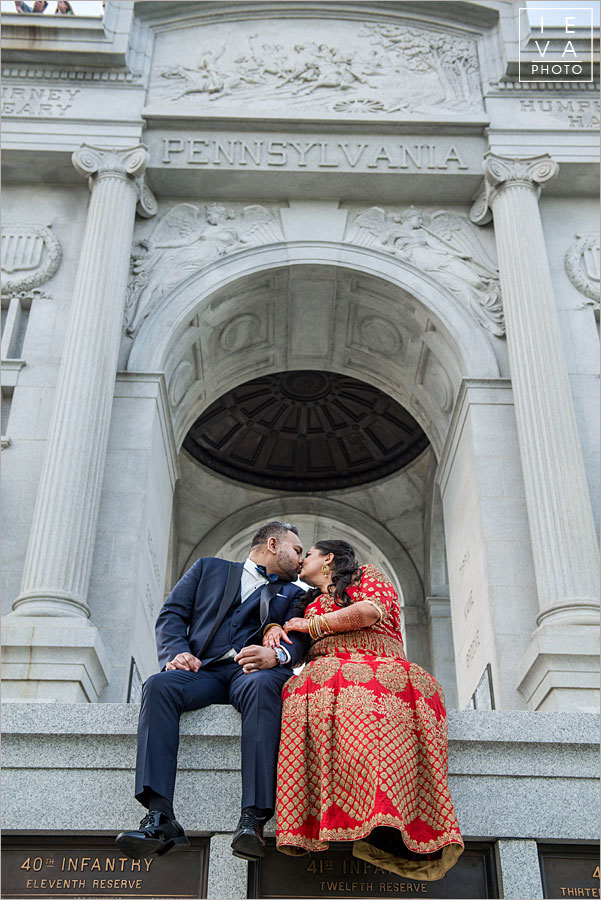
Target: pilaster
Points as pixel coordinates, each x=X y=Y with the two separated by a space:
x=564 y=546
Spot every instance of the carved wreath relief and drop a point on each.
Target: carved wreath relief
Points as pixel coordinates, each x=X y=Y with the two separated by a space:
x=582 y=267
x=442 y=245
x=185 y=240
x=31 y=254
x=345 y=69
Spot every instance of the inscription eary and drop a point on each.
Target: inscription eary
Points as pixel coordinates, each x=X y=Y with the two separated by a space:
x=37 y=101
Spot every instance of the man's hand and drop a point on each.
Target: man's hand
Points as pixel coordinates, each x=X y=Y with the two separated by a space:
x=254 y=657
x=274 y=636
x=186 y=662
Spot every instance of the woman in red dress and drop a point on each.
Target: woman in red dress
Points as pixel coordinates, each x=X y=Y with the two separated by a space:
x=363 y=753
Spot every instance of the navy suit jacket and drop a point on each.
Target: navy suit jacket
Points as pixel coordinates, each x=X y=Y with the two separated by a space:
x=189 y=612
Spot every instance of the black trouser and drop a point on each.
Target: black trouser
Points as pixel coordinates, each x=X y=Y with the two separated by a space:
x=256 y=695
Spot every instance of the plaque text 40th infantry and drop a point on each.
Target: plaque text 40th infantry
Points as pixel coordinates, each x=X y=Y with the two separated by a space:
x=92 y=867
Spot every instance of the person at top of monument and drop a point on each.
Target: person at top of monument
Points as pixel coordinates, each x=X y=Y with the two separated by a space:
x=39 y=6
x=209 y=635
x=363 y=751
x=63 y=8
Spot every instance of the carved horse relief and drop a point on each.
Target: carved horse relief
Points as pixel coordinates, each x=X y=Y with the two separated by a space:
x=343 y=68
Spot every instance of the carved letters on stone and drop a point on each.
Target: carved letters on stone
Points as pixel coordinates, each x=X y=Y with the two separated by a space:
x=442 y=244
x=375 y=68
x=31 y=254
x=582 y=267
x=185 y=240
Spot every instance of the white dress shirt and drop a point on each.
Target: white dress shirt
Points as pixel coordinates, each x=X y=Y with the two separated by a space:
x=251 y=580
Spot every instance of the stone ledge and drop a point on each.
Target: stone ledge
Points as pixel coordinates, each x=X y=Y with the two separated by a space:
x=466 y=726
x=510 y=772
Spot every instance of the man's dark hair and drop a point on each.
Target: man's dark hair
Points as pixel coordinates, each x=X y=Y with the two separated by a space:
x=272 y=529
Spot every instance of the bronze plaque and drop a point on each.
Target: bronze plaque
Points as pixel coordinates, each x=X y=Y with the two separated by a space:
x=569 y=871
x=336 y=873
x=93 y=867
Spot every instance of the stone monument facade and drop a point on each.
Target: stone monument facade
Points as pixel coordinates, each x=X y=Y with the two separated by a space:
x=315 y=204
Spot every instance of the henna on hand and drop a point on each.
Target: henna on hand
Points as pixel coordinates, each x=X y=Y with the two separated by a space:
x=352 y=618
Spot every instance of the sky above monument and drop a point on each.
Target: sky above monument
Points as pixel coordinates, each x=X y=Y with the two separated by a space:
x=578 y=8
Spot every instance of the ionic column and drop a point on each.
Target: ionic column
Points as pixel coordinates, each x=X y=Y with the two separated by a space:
x=564 y=545
x=59 y=556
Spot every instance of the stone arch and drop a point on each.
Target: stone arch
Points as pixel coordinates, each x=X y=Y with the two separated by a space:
x=408 y=327
x=239 y=526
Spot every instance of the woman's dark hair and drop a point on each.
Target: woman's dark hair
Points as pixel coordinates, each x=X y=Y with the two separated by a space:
x=345 y=571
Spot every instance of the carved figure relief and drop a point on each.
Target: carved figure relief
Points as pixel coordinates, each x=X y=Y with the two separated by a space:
x=443 y=245
x=31 y=254
x=344 y=69
x=582 y=267
x=185 y=240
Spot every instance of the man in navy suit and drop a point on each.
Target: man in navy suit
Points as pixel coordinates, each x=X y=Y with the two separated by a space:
x=209 y=635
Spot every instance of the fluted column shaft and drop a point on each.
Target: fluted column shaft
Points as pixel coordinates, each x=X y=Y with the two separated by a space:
x=564 y=544
x=59 y=555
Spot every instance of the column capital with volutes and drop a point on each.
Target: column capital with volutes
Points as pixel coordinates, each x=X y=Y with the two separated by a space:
x=501 y=172
x=97 y=161
x=129 y=164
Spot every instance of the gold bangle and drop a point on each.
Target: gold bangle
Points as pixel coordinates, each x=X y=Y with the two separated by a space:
x=311 y=625
x=271 y=625
x=327 y=628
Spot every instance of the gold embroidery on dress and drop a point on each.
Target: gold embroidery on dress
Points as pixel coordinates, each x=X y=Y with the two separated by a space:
x=366 y=640
x=425 y=684
x=392 y=676
x=351 y=739
x=358 y=672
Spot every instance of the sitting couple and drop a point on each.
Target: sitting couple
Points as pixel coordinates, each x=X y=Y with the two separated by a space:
x=361 y=731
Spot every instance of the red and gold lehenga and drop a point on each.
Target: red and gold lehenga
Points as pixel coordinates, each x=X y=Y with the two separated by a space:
x=363 y=753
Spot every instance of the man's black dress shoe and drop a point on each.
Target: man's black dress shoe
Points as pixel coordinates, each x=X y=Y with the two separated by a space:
x=157 y=834
x=248 y=840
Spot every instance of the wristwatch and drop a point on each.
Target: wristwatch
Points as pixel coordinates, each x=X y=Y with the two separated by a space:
x=281 y=656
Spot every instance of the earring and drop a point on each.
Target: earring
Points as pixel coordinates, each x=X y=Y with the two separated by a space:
x=325 y=569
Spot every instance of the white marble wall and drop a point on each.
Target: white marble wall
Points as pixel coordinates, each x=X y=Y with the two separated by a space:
x=130 y=556
x=492 y=590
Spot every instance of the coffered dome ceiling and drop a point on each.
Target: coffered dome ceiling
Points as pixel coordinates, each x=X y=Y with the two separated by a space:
x=305 y=431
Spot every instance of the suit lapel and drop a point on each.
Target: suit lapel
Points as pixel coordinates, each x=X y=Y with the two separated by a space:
x=234 y=577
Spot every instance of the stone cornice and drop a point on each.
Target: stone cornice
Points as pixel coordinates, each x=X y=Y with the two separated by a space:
x=72 y=74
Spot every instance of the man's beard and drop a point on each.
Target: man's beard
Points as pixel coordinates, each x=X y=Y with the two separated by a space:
x=288 y=570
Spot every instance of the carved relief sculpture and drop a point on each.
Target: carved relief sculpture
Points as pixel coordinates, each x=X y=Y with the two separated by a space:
x=441 y=244
x=380 y=68
x=582 y=267
x=31 y=254
x=185 y=240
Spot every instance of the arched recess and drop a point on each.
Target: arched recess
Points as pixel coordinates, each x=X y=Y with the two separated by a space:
x=364 y=315
x=318 y=517
x=233 y=534
x=330 y=307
